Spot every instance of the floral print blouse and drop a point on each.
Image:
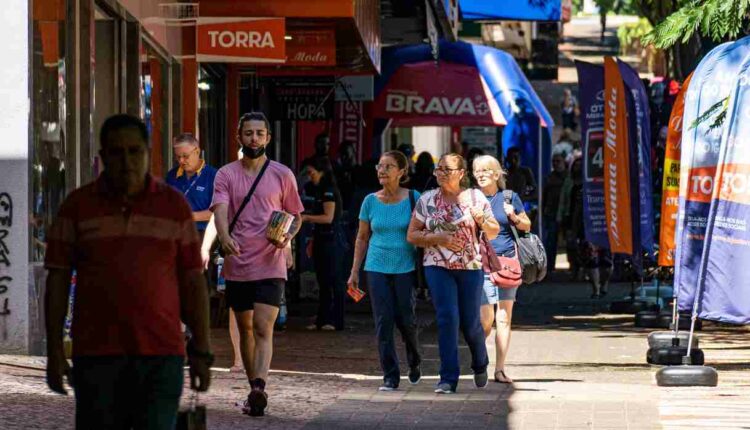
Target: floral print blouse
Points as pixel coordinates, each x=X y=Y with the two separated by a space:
x=441 y=216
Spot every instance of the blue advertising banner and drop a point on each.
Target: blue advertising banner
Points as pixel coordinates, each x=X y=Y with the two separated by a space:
x=712 y=82
x=723 y=278
x=641 y=145
x=591 y=100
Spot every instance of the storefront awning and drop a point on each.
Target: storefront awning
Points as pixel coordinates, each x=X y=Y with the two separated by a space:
x=469 y=85
x=510 y=10
x=430 y=93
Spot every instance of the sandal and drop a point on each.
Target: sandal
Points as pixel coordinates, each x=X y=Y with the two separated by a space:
x=502 y=378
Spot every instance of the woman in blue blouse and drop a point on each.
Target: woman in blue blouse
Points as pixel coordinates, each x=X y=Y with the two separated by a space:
x=383 y=223
x=497 y=303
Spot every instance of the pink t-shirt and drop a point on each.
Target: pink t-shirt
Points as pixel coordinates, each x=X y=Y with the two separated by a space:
x=277 y=190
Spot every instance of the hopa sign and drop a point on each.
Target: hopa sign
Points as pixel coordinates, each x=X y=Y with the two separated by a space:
x=243 y=40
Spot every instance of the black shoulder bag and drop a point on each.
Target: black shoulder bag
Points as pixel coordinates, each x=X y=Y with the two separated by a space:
x=531 y=252
x=220 y=250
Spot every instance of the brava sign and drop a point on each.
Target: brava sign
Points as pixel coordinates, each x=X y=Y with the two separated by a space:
x=246 y=40
x=430 y=94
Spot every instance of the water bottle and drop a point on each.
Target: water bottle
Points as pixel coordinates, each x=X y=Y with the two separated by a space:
x=281 y=319
x=221 y=284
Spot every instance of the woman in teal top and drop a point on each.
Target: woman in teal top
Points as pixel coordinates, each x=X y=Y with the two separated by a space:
x=390 y=266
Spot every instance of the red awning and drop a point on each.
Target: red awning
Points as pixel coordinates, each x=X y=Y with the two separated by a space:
x=443 y=93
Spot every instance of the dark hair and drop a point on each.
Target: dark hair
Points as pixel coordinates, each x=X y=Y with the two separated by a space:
x=513 y=150
x=122 y=121
x=401 y=161
x=253 y=116
x=424 y=165
x=321 y=164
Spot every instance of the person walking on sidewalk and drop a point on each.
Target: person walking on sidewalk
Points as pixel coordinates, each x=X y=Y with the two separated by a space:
x=390 y=266
x=497 y=303
x=133 y=243
x=328 y=244
x=446 y=222
x=254 y=268
x=193 y=178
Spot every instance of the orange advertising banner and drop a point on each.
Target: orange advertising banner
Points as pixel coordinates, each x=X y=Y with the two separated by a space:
x=241 y=40
x=670 y=196
x=616 y=161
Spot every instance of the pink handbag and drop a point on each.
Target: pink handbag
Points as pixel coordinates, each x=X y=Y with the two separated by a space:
x=504 y=272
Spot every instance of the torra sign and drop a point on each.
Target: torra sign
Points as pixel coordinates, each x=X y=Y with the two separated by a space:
x=241 y=40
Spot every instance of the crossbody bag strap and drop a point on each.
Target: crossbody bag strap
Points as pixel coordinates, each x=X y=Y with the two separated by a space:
x=508 y=197
x=249 y=195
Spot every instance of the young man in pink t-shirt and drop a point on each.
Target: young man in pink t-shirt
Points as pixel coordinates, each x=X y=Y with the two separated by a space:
x=254 y=268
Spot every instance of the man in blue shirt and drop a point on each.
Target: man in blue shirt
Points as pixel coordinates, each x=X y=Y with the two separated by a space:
x=193 y=178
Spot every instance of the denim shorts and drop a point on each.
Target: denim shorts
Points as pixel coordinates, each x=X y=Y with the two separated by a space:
x=493 y=293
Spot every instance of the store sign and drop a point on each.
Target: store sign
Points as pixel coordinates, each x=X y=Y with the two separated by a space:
x=359 y=88
x=311 y=48
x=302 y=100
x=427 y=93
x=248 y=40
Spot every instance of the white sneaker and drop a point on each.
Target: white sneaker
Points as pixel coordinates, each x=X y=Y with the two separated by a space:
x=328 y=327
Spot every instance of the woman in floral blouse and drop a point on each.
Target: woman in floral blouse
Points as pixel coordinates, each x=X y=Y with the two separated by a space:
x=446 y=223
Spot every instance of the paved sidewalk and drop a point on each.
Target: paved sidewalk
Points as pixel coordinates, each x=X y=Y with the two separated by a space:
x=574 y=366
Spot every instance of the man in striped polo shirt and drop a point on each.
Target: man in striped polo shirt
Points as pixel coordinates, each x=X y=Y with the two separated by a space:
x=133 y=243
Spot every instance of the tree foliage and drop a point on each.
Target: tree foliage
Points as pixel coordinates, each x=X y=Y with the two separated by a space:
x=717 y=19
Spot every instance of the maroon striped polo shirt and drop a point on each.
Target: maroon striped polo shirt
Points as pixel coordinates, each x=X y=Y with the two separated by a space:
x=127 y=257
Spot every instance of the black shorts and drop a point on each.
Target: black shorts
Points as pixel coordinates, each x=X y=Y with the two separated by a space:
x=242 y=295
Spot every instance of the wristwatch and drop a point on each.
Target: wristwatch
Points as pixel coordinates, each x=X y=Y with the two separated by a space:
x=194 y=353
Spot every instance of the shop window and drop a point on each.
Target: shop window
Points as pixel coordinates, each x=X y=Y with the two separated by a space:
x=212 y=113
x=155 y=102
x=48 y=183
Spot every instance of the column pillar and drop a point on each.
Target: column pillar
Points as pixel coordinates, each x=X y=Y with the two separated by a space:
x=14 y=180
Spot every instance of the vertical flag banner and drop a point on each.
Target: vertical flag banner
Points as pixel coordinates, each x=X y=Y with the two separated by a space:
x=723 y=277
x=671 y=180
x=640 y=138
x=712 y=82
x=617 y=184
x=591 y=99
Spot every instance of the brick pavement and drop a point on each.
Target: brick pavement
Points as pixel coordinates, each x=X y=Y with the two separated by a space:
x=575 y=368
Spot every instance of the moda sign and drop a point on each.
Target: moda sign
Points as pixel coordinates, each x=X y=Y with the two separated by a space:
x=311 y=48
x=244 y=40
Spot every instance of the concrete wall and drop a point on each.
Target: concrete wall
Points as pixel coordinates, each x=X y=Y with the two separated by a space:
x=435 y=140
x=14 y=177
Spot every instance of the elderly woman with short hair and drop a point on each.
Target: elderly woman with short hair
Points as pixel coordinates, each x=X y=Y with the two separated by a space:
x=491 y=181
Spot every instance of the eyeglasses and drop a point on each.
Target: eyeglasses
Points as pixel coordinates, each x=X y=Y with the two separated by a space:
x=186 y=156
x=385 y=167
x=445 y=170
x=483 y=172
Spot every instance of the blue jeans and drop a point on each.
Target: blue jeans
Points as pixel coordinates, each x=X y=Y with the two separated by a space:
x=123 y=392
x=393 y=302
x=457 y=296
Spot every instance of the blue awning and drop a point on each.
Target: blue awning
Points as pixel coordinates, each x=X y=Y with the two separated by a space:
x=507 y=83
x=510 y=10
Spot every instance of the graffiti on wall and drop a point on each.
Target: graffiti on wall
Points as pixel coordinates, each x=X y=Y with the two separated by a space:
x=6 y=222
